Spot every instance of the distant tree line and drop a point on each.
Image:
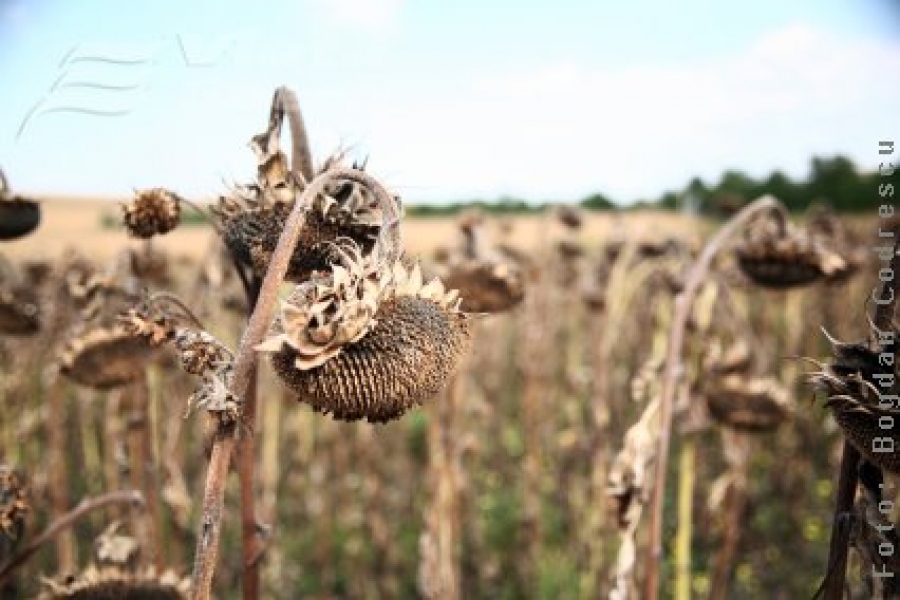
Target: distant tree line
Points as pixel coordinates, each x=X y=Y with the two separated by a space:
x=832 y=180
x=504 y=205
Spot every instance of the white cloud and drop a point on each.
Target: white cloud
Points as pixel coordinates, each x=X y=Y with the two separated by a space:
x=546 y=131
x=564 y=130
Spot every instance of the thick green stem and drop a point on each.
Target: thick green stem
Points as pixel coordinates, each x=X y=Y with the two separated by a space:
x=685 y=524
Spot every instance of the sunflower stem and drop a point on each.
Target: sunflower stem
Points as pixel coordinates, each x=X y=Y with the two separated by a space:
x=246 y=465
x=207 y=549
x=58 y=486
x=143 y=470
x=673 y=366
x=284 y=101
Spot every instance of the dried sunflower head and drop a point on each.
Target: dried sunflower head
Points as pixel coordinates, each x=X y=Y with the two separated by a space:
x=487 y=277
x=19 y=310
x=199 y=354
x=106 y=357
x=824 y=225
x=18 y=216
x=14 y=508
x=859 y=389
x=152 y=212
x=115 y=583
x=102 y=352
x=736 y=358
x=369 y=341
x=748 y=404
x=778 y=255
x=254 y=216
x=486 y=287
x=569 y=216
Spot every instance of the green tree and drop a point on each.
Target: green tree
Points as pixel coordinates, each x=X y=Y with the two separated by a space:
x=597 y=201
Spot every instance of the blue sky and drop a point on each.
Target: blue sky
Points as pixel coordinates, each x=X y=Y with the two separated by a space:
x=450 y=100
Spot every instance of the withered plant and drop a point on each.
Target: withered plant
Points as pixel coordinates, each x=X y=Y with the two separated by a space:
x=859 y=381
x=487 y=281
x=773 y=255
x=19 y=216
x=361 y=336
x=496 y=486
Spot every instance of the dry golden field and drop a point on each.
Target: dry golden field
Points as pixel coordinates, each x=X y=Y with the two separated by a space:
x=73 y=222
x=521 y=479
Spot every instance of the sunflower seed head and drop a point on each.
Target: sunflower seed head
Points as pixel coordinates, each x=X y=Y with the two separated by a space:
x=157 y=329
x=370 y=340
x=860 y=396
x=253 y=218
x=750 y=404
x=14 y=508
x=104 y=582
x=20 y=310
x=778 y=256
x=152 y=212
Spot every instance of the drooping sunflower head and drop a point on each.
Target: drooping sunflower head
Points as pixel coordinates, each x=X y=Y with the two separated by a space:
x=253 y=217
x=570 y=216
x=19 y=310
x=100 y=351
x=825 y=225
x=487 y=286
x=18 y=216
x=370 y=340
x=14 y=508
x=116 y=583
x=779 y=255
x=106 y=357
x=750 y=404
x=858 y=383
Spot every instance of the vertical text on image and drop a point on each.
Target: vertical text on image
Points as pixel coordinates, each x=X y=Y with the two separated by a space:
x=884 y=295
